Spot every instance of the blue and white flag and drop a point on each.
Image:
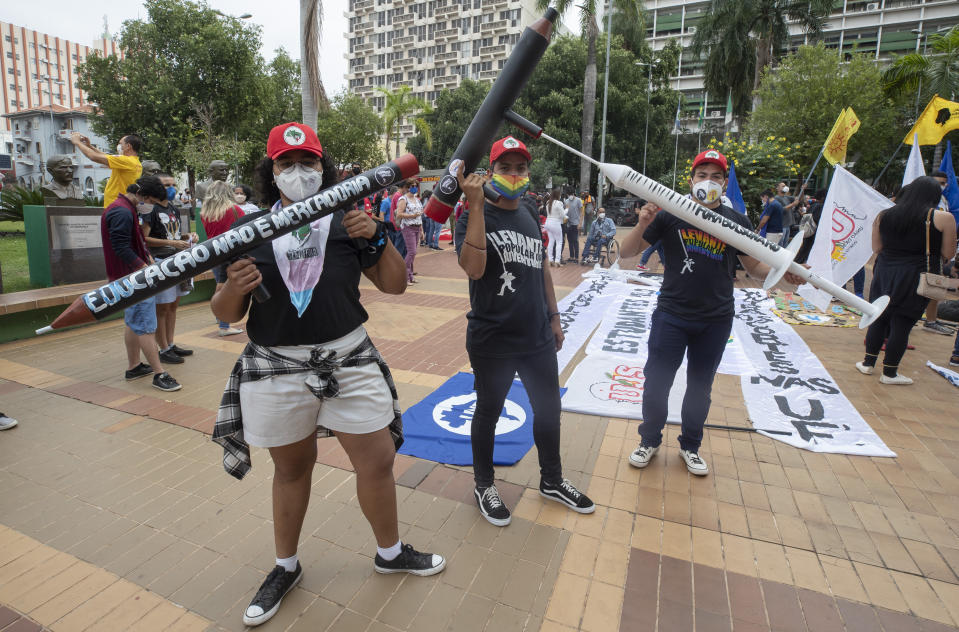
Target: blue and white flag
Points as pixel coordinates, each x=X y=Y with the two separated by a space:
x=949 y=374
x=438 y=427
x=733 y=191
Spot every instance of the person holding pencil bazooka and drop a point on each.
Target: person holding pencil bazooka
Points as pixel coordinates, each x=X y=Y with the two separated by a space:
x=310 y=366
x=695 y=311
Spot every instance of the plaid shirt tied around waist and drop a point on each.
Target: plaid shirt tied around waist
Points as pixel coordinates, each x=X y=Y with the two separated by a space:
x=257 y=363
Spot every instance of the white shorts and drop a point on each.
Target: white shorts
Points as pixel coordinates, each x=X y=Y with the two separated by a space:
x=281 y=410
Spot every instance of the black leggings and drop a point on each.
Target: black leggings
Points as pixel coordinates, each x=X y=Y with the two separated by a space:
x=894 y=328
x=492 y=380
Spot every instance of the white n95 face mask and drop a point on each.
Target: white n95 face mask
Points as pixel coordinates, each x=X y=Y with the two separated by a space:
x=707 y=191
x=298 y=182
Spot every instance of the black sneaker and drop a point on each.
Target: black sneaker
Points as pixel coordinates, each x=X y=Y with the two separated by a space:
x=564 y=492
x=140 y=370
x=170 y=357
x=165 y=382
x=180 y=351
x=491 y=505
x=410 y=561
x=270 y=595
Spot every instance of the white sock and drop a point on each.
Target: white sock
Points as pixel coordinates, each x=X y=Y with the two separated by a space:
x=167 y=349
x=288 y=563
x=389 y=554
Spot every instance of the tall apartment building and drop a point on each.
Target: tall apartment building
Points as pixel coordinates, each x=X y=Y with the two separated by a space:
x=878 y=27
x=430 y=45
x=39 y=70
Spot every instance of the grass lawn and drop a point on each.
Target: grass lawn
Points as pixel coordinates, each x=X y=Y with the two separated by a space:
x=13 y=258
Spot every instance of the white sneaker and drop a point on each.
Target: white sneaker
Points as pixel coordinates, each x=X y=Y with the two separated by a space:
x=230 y=331
x=899 y=379
x=865 y=370
x=694 y=463
x=642 y=455
x=7 y=422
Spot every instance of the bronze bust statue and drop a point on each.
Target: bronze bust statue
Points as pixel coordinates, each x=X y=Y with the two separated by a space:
x=218 y=170
x=150 y=167
x=62 y=189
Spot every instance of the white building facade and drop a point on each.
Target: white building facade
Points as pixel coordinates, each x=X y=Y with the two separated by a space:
x=882 y=28
x=430 y=45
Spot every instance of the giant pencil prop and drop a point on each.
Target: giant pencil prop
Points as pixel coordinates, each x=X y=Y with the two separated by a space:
x=482 y=130
x=144 y=283
x=779 y=259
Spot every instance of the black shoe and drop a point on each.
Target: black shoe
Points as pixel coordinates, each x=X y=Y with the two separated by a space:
x=410 y=561
x=170 y=357
x=270 y=595
x=491 y=505
x=180 y=351
x=140 y=370
x=564 y=492
x=165 y=382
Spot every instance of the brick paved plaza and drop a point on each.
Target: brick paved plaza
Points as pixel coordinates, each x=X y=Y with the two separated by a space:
x=115 y=512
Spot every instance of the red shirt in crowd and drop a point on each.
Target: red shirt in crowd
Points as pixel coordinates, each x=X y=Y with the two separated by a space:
x=223 y=224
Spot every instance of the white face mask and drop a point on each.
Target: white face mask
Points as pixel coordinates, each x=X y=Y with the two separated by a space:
x=707 y=191
x=240 y=198
x=299 y=182
x=785 y=189
x=601 y=216
x=119 y=148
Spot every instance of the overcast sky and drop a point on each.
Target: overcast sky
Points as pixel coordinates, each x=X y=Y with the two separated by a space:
x=82 y=22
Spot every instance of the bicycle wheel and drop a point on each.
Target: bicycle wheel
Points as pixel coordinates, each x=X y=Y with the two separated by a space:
x=612 y=252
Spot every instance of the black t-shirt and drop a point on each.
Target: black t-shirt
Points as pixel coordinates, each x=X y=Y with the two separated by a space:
x=164 y=223
x=697 y=283
x=509 y=316
x=334 y=309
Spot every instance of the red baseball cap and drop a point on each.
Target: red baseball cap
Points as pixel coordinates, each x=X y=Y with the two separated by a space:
x=505 y=146
x=290 y=136
x=713 y=156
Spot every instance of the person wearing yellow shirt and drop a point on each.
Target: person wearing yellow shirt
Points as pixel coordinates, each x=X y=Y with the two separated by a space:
x=125 y=166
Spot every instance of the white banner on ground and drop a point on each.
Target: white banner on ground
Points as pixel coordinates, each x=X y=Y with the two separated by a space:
x=791 y=397
x=843 y=242
x=608 y=386
x=624 y=333
x=581 y=309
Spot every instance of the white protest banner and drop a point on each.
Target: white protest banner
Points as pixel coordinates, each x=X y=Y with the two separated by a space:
x=608 y=386
x=624 y=333
x=581 y=309
x=843 y=242
x=791 y=397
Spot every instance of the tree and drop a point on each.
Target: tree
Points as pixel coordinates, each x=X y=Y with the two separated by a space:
x=183 y=57
x=400 y=104
x=350 y=131
x=631 y=12
x=802 y=98
x=740 y=38
x=935 y=72
x=451 y=115
x=311 y=84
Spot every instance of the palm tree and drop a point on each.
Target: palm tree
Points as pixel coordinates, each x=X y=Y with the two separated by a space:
x=400 y=104
x=740 y=38
x=311 y=84
x=631 y=12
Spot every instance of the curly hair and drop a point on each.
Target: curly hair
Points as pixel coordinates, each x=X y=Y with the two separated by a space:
x=266 y=188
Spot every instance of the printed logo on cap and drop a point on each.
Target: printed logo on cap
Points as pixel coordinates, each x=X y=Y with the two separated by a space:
x=510 y=143
x=384 y=176
x=293 y=135
x=455 y=414
x=712 y=154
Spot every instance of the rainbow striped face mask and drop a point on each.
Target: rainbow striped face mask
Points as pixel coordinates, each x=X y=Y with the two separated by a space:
x=510 y=187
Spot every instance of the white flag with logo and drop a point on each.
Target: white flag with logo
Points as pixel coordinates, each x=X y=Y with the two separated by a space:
x=843 y=242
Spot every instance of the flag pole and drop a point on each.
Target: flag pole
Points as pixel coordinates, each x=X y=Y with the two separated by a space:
x=812 y=171
x=888 y=162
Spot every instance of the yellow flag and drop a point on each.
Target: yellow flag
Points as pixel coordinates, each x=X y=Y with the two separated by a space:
x=838 y=140
x=938 y=119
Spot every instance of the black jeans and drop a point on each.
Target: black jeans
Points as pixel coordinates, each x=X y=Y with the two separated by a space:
x=894 y=329
x=492 y=378
x=669 y=339
x=572 y=236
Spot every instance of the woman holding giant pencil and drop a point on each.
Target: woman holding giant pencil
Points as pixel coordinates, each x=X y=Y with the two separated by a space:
x=310 y=366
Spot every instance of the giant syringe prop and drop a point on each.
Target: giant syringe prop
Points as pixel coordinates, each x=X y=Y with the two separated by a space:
x=779 y=259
